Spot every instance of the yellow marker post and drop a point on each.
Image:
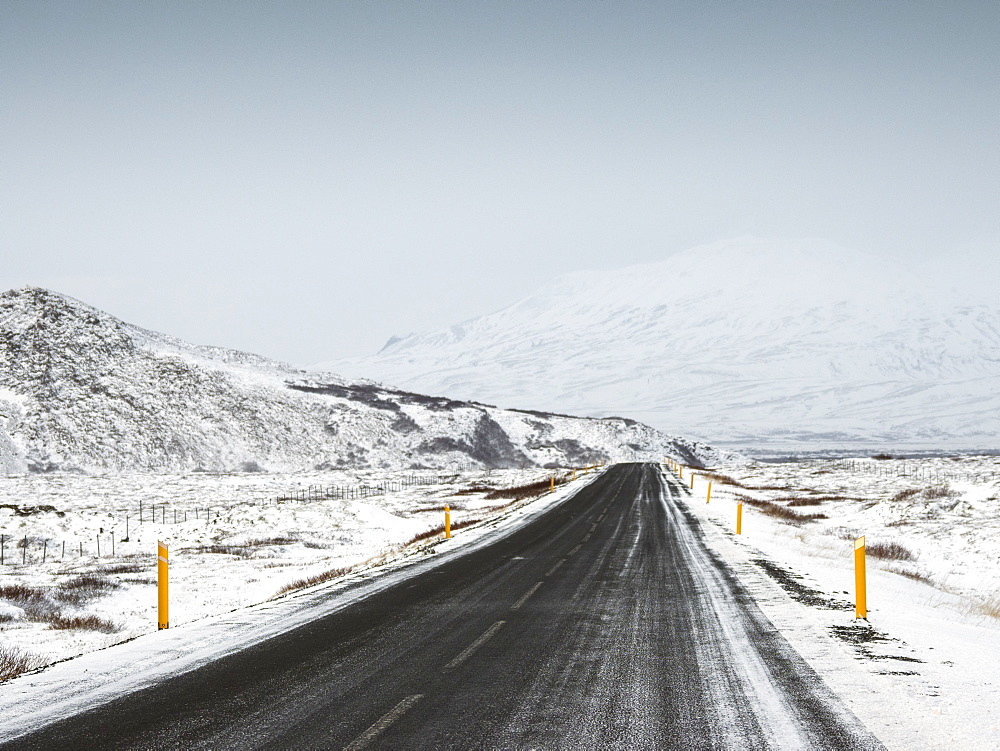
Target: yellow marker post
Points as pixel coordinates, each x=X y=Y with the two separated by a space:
x=574 y=473
x=163 y=585
x=447 y=522
x=861 y=594
x=680 y=471
x=708 y=496
x=692 y=481
x=739 y=518
x=552 y=484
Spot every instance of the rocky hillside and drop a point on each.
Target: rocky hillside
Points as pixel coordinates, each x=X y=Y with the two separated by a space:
x=82 y=390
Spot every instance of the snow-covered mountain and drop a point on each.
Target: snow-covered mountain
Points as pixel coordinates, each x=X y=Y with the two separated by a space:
x=82 y=390
x=752 y=342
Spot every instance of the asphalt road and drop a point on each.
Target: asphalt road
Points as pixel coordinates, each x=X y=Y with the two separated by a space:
x=606 y=623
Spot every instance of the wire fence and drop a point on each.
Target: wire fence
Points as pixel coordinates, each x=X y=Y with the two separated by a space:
x=32 y=549
x=918 y=471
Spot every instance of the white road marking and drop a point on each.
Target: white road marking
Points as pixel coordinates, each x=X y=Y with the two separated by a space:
x=524 y=599
x=380 y=727
x=553 y=569
x=573 y=551
x=467 y=652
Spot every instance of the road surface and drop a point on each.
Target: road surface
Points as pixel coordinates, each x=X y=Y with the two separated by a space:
x=605 y=623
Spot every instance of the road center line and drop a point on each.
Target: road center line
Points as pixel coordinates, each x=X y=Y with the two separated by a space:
x=586 y=537
x=593 y=527
x=467 y=652
x=380 y=727
x=524 y=599
x=553 y=569
x=573 y=551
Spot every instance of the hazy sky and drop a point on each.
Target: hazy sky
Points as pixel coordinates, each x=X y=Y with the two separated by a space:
x=304 y=179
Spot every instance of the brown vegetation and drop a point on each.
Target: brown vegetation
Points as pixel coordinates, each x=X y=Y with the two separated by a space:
x=14 y=662
x=770 y=508
x=84 y=622
x=889 y=551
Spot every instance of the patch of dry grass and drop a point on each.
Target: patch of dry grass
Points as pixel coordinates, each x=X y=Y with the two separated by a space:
x=770 y=508
x=525 y=491
x=84 y=623
x=439 y=530
x=14 y=662
x=722 y=479
x=909 y=574
x=83 y=588
x=474 y=489
x=34 y=601
x=309 y=581
x=989 y=606
x=889 y=551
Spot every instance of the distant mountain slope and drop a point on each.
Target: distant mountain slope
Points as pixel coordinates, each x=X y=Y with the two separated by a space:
x=82 y=390
x=748 y=341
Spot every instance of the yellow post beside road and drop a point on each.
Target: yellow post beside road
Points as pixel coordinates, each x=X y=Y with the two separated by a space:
x=692 y=481
x=739 y=518
x=574 y=473
x=860 y=588
x=163 y=585
x=447 y=521
x=708 y=496
x=552 y=484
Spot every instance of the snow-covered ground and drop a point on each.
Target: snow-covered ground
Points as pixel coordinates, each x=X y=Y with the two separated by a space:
x=238 y=546
x=922 y=673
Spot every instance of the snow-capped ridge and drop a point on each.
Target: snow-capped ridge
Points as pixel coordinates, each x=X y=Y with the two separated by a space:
x=746 y=340
x=83 y=390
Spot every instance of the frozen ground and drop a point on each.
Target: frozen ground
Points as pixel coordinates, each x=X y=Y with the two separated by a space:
x=245 y=553
x=922 y=673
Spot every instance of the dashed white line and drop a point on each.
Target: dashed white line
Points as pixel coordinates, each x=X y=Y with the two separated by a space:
x=380 y=727
x=553 y=569
x=573 y=551
x=467 y=652
x=524 y=599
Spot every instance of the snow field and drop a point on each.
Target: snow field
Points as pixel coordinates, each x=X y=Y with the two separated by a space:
x=246 y=553
x=921 y=673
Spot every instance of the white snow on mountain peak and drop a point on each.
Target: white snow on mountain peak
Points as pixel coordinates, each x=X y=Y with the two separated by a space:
x=746 y=340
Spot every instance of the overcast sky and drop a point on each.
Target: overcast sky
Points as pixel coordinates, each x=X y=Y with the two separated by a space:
x=303 y=180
